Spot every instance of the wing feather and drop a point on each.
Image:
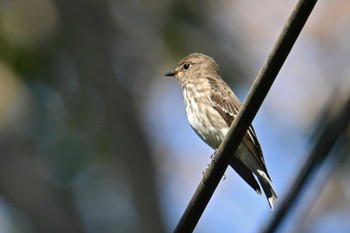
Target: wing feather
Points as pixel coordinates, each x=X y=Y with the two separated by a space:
x=227 y=104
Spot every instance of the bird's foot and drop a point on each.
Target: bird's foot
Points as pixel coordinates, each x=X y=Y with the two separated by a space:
x=203 y=172
x=212 y=156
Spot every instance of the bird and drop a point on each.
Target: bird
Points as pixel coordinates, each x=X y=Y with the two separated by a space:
x=211 y=106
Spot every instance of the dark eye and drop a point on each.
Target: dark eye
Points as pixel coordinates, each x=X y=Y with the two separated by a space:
x=186 y=66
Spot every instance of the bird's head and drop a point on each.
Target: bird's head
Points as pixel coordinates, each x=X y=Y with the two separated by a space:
x=194 y=66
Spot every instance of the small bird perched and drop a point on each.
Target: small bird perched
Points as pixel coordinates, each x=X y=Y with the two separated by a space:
x=211 y=107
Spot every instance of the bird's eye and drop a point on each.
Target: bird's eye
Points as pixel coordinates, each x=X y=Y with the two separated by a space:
x=186 y=66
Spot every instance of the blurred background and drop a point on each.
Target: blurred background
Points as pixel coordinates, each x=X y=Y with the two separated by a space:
x=93 y=137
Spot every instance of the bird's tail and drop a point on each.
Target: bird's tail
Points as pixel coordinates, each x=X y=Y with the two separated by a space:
x=266 y=185
x=260 y=171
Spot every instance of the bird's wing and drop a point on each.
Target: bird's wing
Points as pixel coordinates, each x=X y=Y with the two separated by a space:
x=227 y=104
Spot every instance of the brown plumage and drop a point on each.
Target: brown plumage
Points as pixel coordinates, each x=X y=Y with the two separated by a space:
x=211 y=107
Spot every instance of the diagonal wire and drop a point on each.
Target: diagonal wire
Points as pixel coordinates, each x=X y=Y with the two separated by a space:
x=336 y=124
x=255 y=97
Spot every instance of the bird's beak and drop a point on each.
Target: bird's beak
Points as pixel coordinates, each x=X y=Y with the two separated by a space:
x=170 y=74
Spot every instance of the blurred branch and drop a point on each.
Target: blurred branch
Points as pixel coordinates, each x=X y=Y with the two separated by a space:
x=89 y=34
x=337 y=118
x=245 y=116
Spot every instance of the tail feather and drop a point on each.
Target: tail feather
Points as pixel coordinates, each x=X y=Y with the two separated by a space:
x=244 y=172
x=264 y=180
x=268 y=190
x=261 y=173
